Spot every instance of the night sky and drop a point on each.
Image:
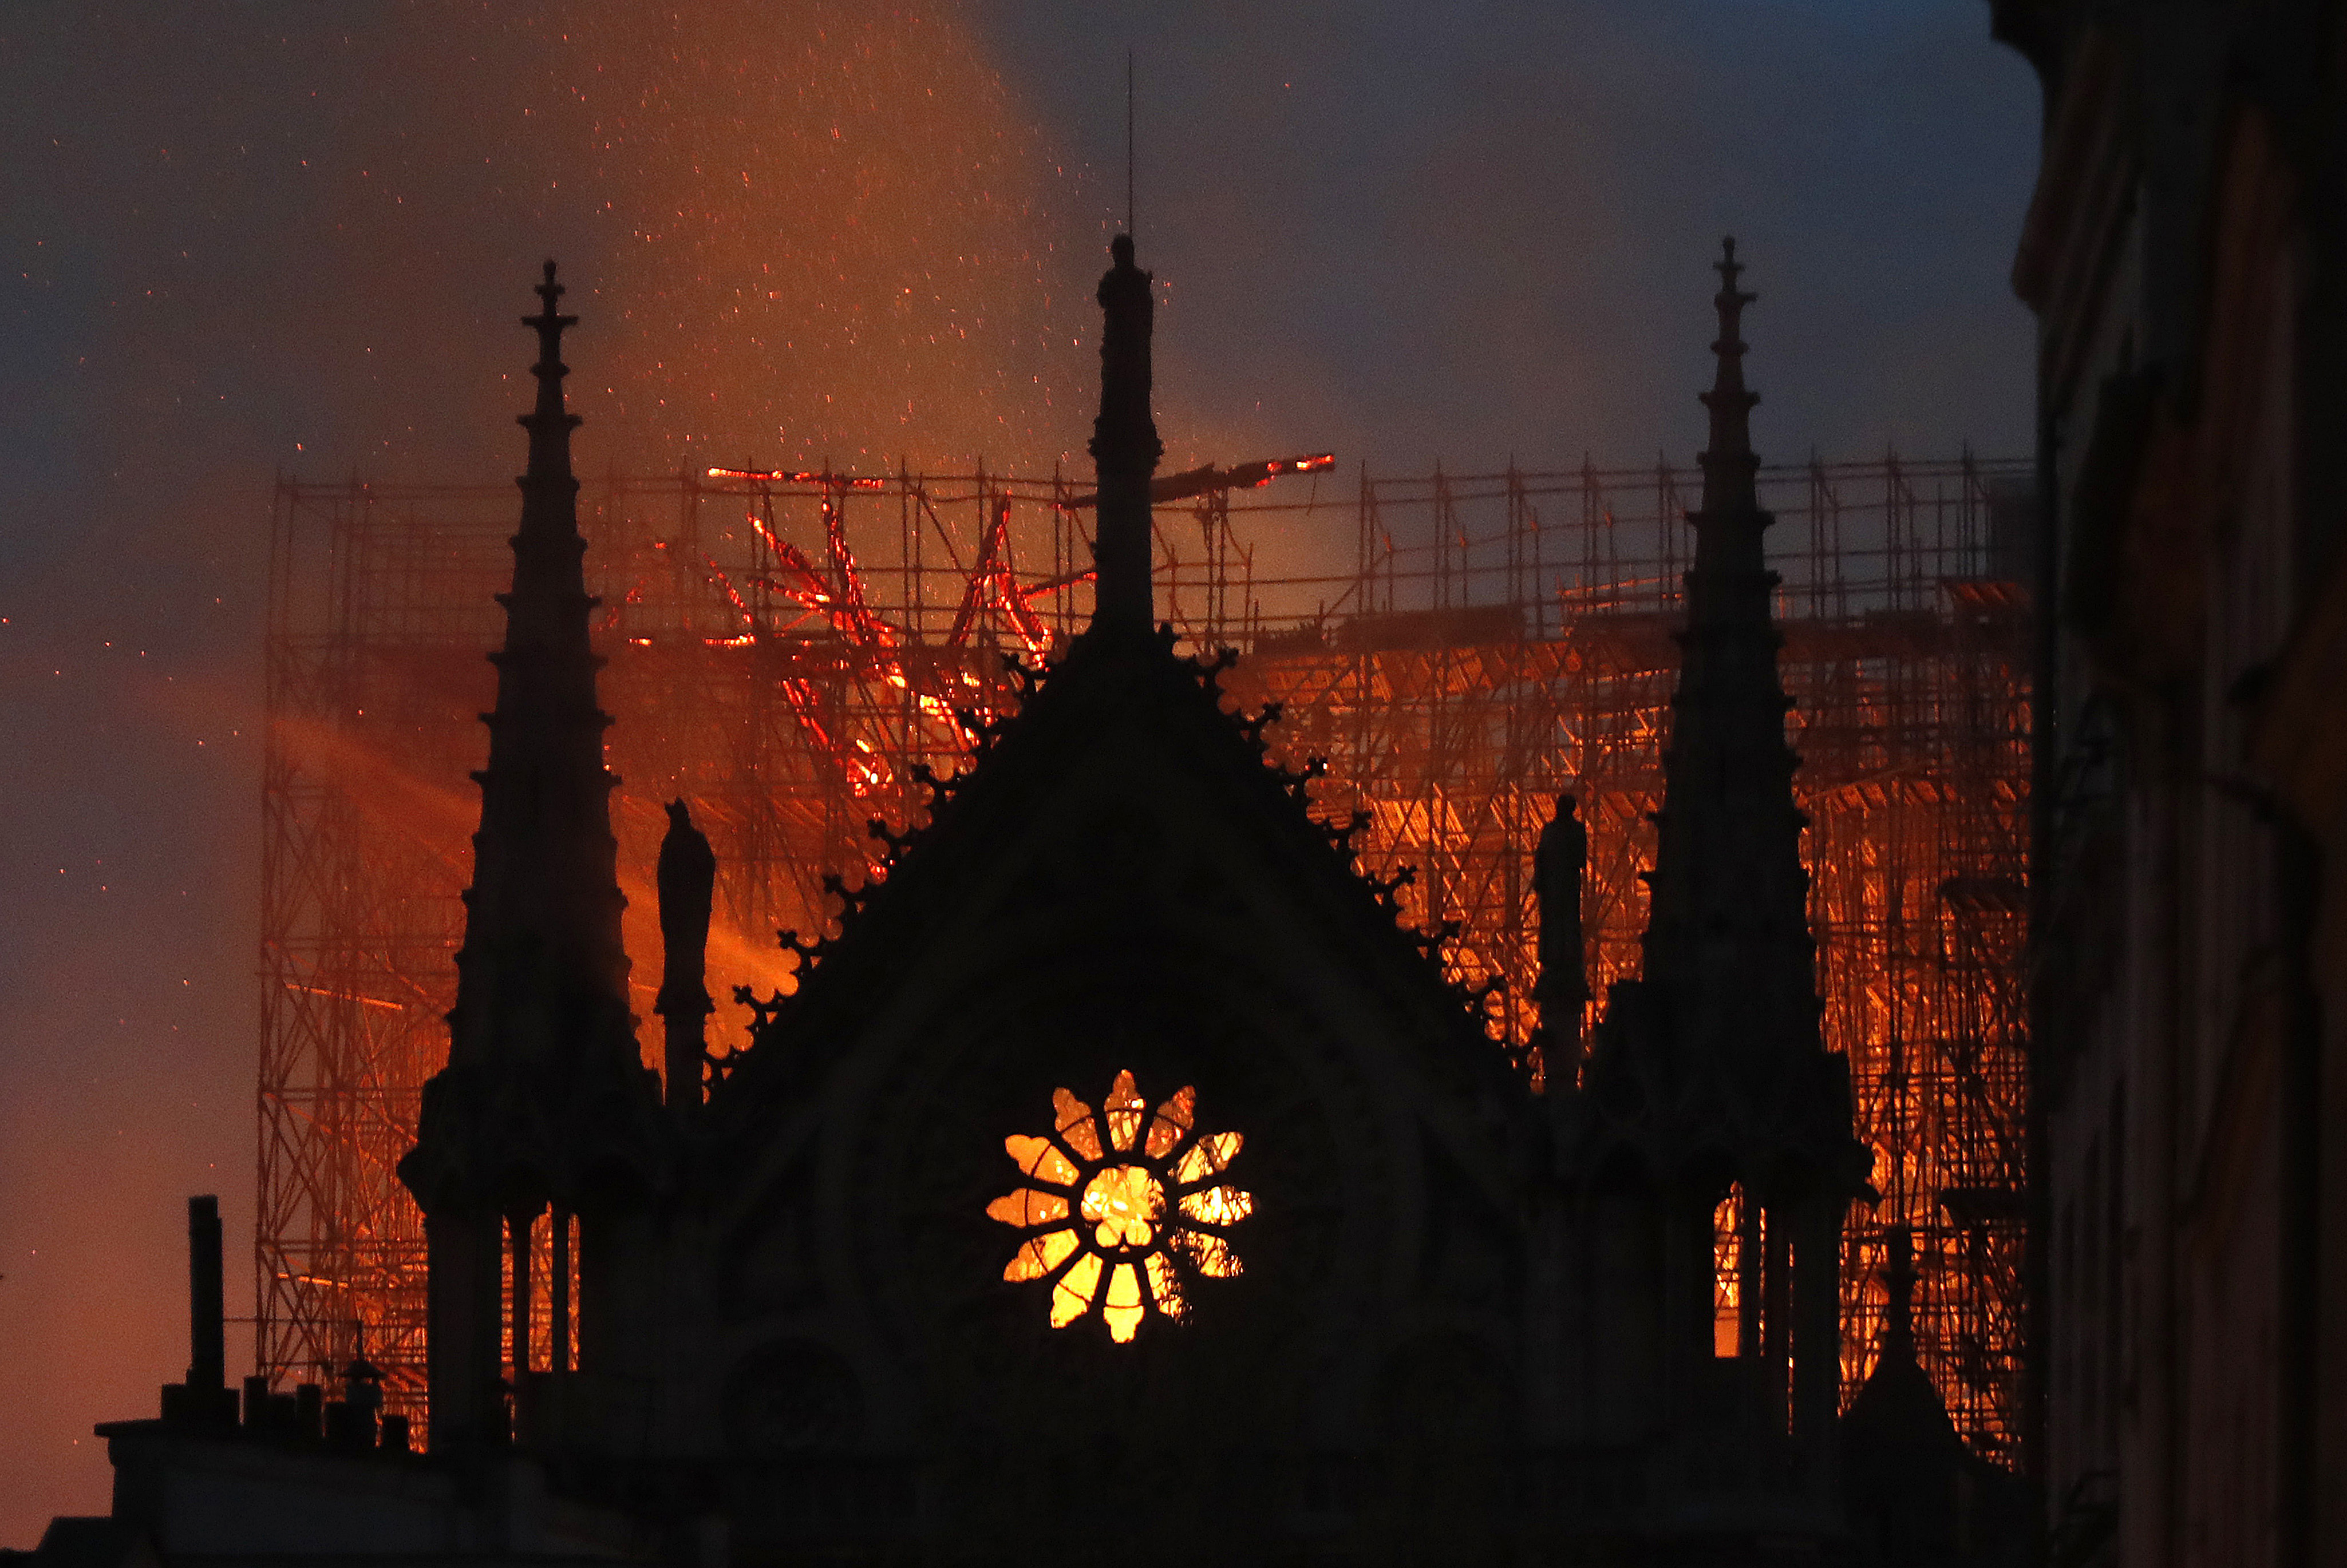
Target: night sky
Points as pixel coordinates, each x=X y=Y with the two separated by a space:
x=294 y=236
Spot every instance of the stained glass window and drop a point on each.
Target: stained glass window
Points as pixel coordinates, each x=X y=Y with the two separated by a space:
x=1727 y=1274
x=1127 y=1222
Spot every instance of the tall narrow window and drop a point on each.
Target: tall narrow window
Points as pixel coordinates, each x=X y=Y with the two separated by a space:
x=561 y=1289
x=521 y=1306
x=1728 y=1273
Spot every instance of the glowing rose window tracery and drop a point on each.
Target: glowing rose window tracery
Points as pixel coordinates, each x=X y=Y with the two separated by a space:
x=1138 y=1213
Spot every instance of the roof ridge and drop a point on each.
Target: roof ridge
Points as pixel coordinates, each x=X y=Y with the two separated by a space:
x=1000 y=738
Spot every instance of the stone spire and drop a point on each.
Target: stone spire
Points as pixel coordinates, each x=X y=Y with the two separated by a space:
x=541 y=1020
x=544 y=1080
x=1728 y=935
x=542 y=975
x=1126 y=448
x=1708 y=1076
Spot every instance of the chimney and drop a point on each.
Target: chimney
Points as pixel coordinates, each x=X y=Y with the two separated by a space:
x=207 y=1324
x=205 y=1399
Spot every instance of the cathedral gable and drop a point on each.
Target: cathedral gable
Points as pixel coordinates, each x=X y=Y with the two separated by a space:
x=1120 y=905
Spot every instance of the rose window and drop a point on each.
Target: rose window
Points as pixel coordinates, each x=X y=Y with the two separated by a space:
x=1125 y=1222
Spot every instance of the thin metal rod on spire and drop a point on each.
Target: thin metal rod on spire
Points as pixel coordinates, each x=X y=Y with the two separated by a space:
x=1128 y=141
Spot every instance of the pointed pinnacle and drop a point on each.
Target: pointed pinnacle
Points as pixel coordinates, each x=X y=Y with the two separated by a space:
x=1728 y=462
x=549 y=423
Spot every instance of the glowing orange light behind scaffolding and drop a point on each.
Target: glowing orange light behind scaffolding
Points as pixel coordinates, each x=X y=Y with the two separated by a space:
x=1455 y=688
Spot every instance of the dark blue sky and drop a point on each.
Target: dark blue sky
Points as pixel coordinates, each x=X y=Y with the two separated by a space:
x=1491 y=236
x=292 y=234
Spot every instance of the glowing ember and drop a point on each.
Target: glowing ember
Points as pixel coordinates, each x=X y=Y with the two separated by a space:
x=796 y=476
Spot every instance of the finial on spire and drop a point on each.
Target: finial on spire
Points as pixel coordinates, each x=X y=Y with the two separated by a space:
x=549 y=423
x=1730 y=469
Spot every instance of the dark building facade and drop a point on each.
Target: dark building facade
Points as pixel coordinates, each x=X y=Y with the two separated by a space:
x=2186 y=257
x=1119 y=1175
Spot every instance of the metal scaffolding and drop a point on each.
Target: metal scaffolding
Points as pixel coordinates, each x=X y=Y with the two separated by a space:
x=786 y=648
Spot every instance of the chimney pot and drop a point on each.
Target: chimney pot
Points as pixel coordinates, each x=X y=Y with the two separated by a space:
x=309 y=1411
